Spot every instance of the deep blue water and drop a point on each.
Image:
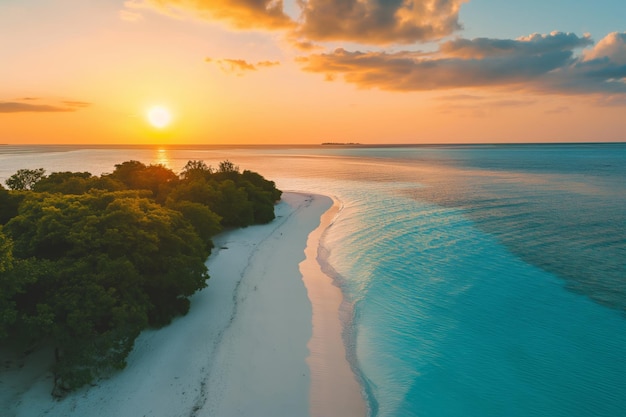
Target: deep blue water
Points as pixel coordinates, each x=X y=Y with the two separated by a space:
x=480 y=280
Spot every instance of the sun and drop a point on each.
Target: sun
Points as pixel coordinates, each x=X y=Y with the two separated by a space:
x=159 y=117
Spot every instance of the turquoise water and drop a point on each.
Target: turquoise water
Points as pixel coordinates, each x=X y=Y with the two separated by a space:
x=448 y=322
x=479 y=280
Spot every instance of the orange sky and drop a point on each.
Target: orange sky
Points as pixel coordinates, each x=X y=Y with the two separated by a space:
x=264 y=72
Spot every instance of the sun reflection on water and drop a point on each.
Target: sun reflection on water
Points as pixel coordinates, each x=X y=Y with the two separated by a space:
x=162 y=157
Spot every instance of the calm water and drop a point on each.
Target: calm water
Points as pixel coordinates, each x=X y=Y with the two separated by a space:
x=479 y=280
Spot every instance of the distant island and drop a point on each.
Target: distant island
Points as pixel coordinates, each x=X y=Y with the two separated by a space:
x=88 y=262
x=339 y=143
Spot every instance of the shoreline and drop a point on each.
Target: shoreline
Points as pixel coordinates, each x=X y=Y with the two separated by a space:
x=250 y=344
x=334 y=386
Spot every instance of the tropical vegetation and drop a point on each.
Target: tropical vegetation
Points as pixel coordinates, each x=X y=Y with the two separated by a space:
x=87 y=262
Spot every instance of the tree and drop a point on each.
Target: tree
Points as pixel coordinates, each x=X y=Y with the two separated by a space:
x=24 y=179
x=227 y=166
x=137 y=176
x=197 y=190
x=262 y=204
x=8 y=313
x=87 y=262
x=9 y=202
x=97 y=268
x=233 y=205
x=126 y=172
x=205 y=222
x=195 y=169
x=260 y=182
x=65 y=182
x=6 y=256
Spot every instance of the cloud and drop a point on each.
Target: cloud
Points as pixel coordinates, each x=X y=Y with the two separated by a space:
x=612 y=47
x=267 y=64
x=534 y=44
x=538 y=63
x=403 y=72
x=233 y=65
x=304 y=45
x=366 y=21
x=129 y=16
x=15 y=107
x=77 y=104
x=379 y=22
x=21 y=107
x=241 y=14
x=239 y=66
x=600 y=69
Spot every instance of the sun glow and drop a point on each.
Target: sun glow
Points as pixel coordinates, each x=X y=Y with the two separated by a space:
x=159 y=117
x=162 y=157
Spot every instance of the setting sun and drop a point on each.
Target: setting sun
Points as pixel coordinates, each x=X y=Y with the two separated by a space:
x=401 y=207
x=159 y=117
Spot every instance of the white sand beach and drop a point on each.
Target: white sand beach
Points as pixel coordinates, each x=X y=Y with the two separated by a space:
x=334 y=388
x=256 y=341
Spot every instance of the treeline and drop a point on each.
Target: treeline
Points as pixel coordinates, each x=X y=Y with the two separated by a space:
x=87 y=262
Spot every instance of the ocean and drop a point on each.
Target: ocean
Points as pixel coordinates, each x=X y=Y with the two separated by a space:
x=479 y=280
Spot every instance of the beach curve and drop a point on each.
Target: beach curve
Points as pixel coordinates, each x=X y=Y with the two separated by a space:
x=334 y=387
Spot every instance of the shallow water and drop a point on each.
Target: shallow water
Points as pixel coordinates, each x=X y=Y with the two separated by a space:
x=479 y=280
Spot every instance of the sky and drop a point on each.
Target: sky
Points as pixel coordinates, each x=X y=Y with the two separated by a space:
x=312 y=71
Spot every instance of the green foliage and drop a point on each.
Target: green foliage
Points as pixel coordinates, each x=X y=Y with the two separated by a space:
x=227 y=166
x=198 y=190
x=87 y=262
x=194 y=170
x=64 y=182
x=6 y=256
x=8 y=288
x=265 y=185
x=263 y=194
x=233 y=205
x=137 y=176
x=76 y=183
x=100 y=267
x=240 y=199
x=24 y=179
x=9 y=202
x=206 y=222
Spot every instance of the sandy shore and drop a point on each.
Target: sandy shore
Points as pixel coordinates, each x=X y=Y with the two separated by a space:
x=334 y=388
x=248 y=347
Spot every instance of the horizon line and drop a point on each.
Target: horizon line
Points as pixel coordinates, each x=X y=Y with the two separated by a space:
x=321 y=144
